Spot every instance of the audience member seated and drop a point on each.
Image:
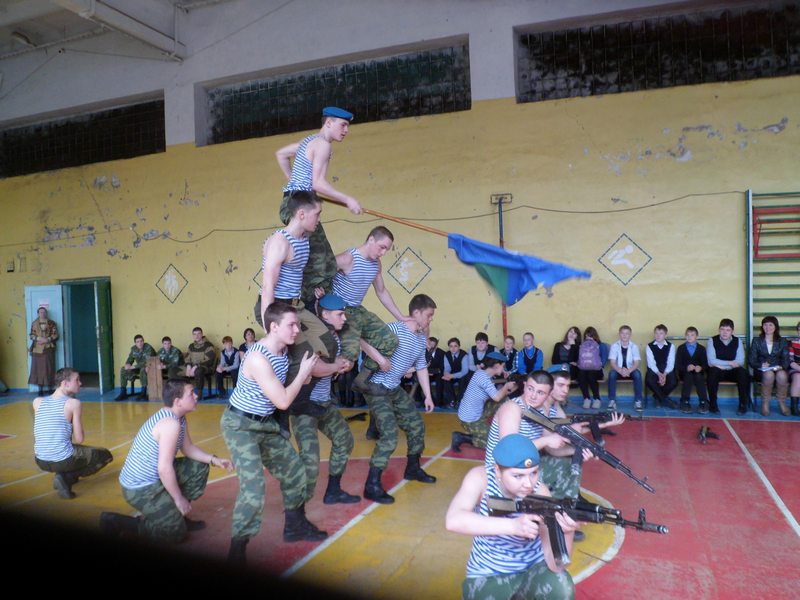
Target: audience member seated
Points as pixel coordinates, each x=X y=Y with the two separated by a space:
x=510 y=352
x=565 y=352
x=660 y=378
x=456 y=372
x=481 y=348
x=530 y=358
x=435 y=359
x=228 y=365
x=726 y=363
x=769 y=359
x=624 y=359
x=134 y=368
x=691 y=364
x=794 y=372
x=170 y=359
x=202 y=357
x=249 y=339
x=590 y=366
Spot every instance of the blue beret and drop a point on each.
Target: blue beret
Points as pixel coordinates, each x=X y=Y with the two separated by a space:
x=516 y=450
x=496 y=356
x=331 y=302
x=333 y=111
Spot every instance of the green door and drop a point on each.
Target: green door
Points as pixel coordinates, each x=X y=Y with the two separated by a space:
x=105 y=351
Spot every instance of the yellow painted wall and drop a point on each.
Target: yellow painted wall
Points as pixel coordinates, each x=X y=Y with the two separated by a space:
x=597 y=158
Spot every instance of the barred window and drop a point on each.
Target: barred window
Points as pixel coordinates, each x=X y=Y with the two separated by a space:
x=659 y=52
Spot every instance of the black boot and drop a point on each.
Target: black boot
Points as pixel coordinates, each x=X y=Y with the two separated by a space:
x=123 y=394
x=373 y=489
x=415 y=473
x=742 y=409
x=142 y=397
x=794 y=406
x=713 y=407
x=63 y=485
x=297 y=527
x=372 y=429
x=115 y=524
x=457 y=439
x=237 y=552
x=336 y=495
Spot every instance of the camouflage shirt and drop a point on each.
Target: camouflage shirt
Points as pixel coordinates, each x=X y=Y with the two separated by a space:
x=139 y=357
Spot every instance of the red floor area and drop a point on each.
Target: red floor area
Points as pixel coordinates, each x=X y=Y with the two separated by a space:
x=727 y=537
x=267 y=549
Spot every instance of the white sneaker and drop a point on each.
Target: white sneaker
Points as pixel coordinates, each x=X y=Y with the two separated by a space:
x=612 y=405
x=587 y=403
x=596 y=403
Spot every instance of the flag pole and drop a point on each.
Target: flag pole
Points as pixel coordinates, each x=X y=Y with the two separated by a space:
x=405 y=222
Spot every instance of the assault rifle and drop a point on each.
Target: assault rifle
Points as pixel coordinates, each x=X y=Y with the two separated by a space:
x=577 y=509
x=594 y=420
x=580 y=442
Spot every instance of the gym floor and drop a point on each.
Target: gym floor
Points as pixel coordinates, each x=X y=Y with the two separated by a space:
x=731 y=506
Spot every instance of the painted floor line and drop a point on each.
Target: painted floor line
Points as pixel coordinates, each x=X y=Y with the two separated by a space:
x=352 y=523
x=771 y=490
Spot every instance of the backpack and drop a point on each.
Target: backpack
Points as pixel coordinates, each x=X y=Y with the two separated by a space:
x=589 y=356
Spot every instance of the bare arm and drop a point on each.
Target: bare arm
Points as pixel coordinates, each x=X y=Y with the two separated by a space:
x=284 y=157
x=462 y=518
x=425 y=384
x=166 y=433
x=196 y=453
x=319 y=153
x=344 y=262
x=258 y=368
x=379 y=358
x=276 y=251
x=509 y=418
x=385 y=297
x=72 y=408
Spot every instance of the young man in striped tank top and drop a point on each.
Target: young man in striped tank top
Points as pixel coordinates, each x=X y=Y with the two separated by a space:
x=284 y=257
x=305 y=165
x=56 y=425
x=158 y=483
x=253 y=434
x=391 y=406
x=511 y=555
x=358 y=270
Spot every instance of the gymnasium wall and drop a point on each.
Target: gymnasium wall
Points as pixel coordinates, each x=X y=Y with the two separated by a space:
x=645 y=190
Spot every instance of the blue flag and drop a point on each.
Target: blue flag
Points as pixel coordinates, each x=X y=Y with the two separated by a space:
x=510 y=274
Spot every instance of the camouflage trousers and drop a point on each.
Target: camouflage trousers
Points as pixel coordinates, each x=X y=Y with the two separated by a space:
x=311 y=327
x=396 y=410
x=558 y=475
x=85 y=461
x=537 y=582
x=335 y=428
x=161 y=520
x=126 y=375
x=321 y=265
x=254 y=445
x=361 y=323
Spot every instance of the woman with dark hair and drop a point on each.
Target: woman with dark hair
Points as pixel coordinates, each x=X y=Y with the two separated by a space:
x=590 y=366
x=565 y=352
x=794 y=372
x=249 y=339
x=44 y=334
x=769 y=359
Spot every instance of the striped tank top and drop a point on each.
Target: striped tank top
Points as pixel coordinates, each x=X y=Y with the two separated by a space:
x=322 y=389
x=354 y=286
x=502 y=554
x=532 y=431
x=301 y=177
x=52 y=433
x=410 y=353
x=480 y=390
x=290 y=277
x=141 y=465
x=248 y=395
